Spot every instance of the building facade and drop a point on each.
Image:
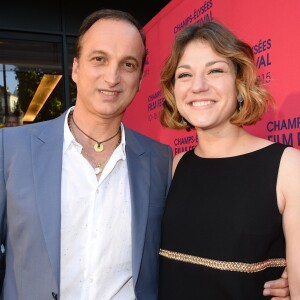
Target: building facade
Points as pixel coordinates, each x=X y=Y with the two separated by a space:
x=37 y=41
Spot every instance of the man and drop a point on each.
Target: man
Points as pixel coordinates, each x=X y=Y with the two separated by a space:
x=11 y=120
x=82 y=195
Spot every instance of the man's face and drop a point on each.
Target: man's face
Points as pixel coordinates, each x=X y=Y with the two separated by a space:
x=11 y=121
x=109 y=69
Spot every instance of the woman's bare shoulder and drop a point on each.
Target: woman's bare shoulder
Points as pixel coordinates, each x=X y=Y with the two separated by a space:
x=176 y=160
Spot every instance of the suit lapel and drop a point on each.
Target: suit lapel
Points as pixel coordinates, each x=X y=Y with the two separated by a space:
x=47 y=167
x=47 y=150
x=138 y=160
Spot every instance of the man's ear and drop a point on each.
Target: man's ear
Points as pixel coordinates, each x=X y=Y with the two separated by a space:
x=140 y=83
x=75 y=69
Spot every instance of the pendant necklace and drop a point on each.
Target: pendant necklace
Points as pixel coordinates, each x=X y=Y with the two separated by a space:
x=98 y=167
x=98 y=147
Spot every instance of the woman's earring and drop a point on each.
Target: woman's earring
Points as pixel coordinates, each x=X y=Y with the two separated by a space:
x=240 y=100
x=186 y=124
x=183 y=121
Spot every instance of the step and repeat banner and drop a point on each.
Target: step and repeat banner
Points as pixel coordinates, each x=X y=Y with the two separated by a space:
x=270 y=27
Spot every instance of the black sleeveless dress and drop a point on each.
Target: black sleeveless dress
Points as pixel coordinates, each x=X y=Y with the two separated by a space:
x=222 y=234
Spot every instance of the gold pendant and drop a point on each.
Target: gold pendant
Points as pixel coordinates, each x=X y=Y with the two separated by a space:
x=98 y=147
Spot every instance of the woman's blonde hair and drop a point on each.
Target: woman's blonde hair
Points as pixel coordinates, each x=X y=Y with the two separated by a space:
x=224 y=42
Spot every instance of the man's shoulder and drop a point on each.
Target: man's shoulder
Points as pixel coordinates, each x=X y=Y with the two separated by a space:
x=144 y=139
x=21 y=132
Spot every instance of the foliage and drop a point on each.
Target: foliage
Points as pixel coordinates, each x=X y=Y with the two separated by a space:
x=28 y=82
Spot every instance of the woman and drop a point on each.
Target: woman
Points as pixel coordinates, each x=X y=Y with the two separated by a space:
x=232 y=217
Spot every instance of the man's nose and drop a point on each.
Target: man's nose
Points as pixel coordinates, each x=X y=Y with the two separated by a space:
x=112 y=75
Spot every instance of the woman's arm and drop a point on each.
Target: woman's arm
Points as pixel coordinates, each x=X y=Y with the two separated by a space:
x=176 y=161
x=288 y=192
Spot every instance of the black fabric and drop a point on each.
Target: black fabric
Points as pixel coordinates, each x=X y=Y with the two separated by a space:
x=224 y=209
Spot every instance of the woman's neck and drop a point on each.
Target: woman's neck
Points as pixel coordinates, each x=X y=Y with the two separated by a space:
x=217 y=144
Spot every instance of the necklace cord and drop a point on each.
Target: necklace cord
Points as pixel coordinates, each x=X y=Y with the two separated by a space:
x=98 y=142
x=98 y=167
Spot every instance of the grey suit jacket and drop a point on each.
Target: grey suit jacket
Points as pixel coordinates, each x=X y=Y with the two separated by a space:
x=30 y=193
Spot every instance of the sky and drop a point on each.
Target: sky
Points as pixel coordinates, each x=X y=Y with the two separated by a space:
x=11 y=82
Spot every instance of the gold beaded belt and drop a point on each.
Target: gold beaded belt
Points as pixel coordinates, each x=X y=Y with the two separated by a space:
x=224 y=265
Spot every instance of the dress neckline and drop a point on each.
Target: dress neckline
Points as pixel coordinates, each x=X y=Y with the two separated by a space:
x=235 y=156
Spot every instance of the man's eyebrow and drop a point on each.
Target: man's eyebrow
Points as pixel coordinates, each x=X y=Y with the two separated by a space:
x=132 y=58
x=98 y=52
x=129 y=57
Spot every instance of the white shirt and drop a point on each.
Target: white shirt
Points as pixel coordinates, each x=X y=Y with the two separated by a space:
x=96 y=256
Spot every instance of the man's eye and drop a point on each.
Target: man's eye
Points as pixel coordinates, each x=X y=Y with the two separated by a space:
x=99 y=58
x=129 y=65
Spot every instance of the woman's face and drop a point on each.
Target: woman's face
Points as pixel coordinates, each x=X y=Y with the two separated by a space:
x=204 y=89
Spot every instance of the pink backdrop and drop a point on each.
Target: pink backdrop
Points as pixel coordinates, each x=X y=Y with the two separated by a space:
x=270 y=27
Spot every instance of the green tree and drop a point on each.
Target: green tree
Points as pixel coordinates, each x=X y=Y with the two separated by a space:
x=28 y=82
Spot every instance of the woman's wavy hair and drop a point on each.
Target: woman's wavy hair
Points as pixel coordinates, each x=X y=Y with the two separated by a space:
x=225 y=43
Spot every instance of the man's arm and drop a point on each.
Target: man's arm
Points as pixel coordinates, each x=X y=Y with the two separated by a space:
x=278 y=288
x=2 y=213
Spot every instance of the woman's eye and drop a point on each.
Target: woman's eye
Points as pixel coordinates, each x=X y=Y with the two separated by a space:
x=182 y=75
x=216 y=71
